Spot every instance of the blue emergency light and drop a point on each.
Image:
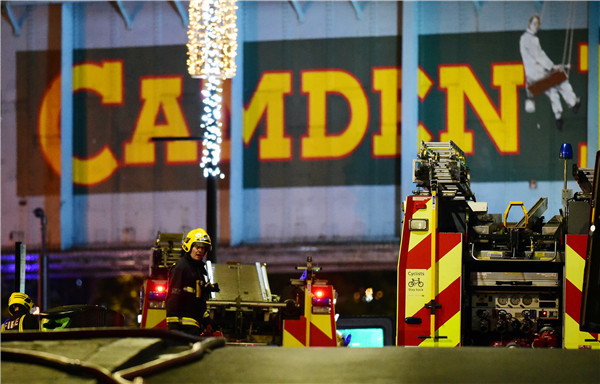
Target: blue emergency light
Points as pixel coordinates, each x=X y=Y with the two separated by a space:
x=566 y=151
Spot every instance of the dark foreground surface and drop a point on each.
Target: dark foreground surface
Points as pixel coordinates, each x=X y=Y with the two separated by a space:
x=149 y=356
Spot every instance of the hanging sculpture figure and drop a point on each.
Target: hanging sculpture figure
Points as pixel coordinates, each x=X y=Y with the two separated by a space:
x=542 y=75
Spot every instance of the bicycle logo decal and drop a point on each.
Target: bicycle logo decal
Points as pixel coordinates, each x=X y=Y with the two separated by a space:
x=416 y=279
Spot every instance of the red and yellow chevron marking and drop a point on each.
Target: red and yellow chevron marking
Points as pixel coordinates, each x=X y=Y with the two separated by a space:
x=417 y=280
x=152 y=317
x=575 y=254
x=311 y=330
x=155 y=318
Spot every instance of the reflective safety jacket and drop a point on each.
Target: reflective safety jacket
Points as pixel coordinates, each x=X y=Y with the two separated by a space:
x=187 y=292
x=20 y=322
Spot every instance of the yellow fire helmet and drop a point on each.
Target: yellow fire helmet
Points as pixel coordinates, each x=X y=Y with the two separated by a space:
x=18 y=298
x=197 y=235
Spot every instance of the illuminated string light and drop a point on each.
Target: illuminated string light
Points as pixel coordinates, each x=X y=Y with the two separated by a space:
x=212 y=47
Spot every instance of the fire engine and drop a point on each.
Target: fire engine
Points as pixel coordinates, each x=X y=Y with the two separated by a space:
x=467 y=277
x=313 y=323
x=245 y=309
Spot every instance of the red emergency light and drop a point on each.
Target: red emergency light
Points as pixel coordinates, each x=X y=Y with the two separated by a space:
x=157 y=290
x=321 y=302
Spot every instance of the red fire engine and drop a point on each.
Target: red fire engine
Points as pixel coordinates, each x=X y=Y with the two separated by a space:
x=468 y=277
x=245 y=309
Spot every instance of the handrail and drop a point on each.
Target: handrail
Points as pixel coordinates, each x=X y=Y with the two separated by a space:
x=520 y=224
x=512 y=259
x=197 y=351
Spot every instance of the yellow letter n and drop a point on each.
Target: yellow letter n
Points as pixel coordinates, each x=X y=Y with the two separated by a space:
x=502 y=126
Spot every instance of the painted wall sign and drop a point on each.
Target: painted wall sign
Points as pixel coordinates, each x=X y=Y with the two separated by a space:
x=480 y=101
x=320 y=112
x=122 y=98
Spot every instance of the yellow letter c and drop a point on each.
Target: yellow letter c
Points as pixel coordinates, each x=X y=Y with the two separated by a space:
x=107 y=80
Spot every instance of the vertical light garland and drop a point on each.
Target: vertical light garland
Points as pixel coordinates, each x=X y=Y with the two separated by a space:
x=212 y=47
x=210 y=123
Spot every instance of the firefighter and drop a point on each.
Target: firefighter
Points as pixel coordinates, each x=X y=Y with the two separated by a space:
x=19 y=307
x=189 y=287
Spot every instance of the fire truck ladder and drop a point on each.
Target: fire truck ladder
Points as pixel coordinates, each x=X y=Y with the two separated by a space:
x=441 y=166
x=440 y=169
